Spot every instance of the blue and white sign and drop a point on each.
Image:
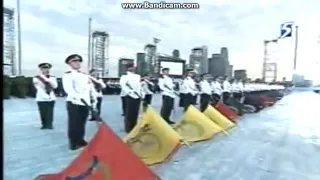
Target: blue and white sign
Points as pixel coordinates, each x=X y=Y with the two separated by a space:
x=286 y=30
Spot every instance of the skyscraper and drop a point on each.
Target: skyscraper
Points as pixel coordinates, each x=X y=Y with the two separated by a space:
x=199 y=59
x=141 y=64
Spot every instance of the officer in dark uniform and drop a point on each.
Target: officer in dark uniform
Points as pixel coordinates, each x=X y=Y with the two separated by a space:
x=131 y=85
x=45 y=97
x=80 y=94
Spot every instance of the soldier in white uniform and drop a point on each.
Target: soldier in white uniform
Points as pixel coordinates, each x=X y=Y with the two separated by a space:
x=191 y=90
x=168 y=94
x=123 y=96
x=80 y=94
x=131 y=85
x=236 y=93
x=99 y=85
x=148 y=90
x=205 y=92
x=226 y=89
x=216 y=90
x=45 y=97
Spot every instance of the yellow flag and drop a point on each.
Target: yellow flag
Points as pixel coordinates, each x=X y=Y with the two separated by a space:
x=195 y=126
x=218 y=118
x=152 y=139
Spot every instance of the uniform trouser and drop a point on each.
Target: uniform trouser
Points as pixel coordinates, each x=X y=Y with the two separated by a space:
x=46 y=113
x=98 y=106
x=167 y=107
x=124 y=104
x=131 y=113
x=188 y=100
x=99 y=103
x=204 y=101
x=225 y=97
x=147 y=101
x=77 y=118
x=181 y=99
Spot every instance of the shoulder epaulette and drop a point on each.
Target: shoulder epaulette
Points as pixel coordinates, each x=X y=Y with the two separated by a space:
x=68 y=72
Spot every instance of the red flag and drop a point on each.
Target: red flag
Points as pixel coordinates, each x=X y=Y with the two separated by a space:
x=106 y=157
x=226 y=111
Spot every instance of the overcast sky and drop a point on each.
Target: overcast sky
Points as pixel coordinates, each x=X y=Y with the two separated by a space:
x=51 y=30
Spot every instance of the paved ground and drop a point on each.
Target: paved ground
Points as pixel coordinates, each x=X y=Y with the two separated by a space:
x=279 y=143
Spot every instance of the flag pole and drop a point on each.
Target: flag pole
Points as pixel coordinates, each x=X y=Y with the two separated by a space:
x=295 y=51
x=19 y=39
x=295 y=57
x=89 y=43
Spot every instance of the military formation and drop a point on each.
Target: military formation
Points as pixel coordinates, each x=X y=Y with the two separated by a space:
x=84 y=95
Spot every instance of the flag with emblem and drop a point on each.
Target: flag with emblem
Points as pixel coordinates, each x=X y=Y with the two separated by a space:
x=195 y=126
x=218 y=118
x=152 y=139
x=105 y=157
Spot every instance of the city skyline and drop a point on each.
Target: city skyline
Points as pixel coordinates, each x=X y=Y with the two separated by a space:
x=58 y=28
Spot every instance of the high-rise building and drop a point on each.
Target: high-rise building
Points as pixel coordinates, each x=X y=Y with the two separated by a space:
x=9 y=48
x=100 y=53
x=240 y=74
x=225 y=55
x=199 y=59
x=141 y=63
x=230 y=70
x=122 y=65
x=150 y=57
x=217 y=66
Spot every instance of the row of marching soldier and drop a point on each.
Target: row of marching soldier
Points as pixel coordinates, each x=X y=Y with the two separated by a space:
x=84 y=91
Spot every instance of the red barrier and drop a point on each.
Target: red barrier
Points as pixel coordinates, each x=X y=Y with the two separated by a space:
x=226 y=111
x=267 y=101
x=106 y=157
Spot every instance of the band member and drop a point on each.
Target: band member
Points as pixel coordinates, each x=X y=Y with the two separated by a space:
x=216 y=90
x=181 y=93
x=123 y=95
x=80 y=93
x=168 y=94
x=205 y=92
x=226 y=90
x=45 y=97
x=99 y=85
x=190 y=89
x=237 y=86
x=131 y=85
x=148 y=90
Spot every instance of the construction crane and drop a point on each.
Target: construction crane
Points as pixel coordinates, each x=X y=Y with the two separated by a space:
x=270 y=68
x=9 y=49
x=100 y=53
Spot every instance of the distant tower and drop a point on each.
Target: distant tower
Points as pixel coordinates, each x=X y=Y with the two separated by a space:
x=270 y=69
x=100 y=53
x=176 y=54
x=9 y=48
x=199 y=59
x=150 y=58
x=225 y=54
